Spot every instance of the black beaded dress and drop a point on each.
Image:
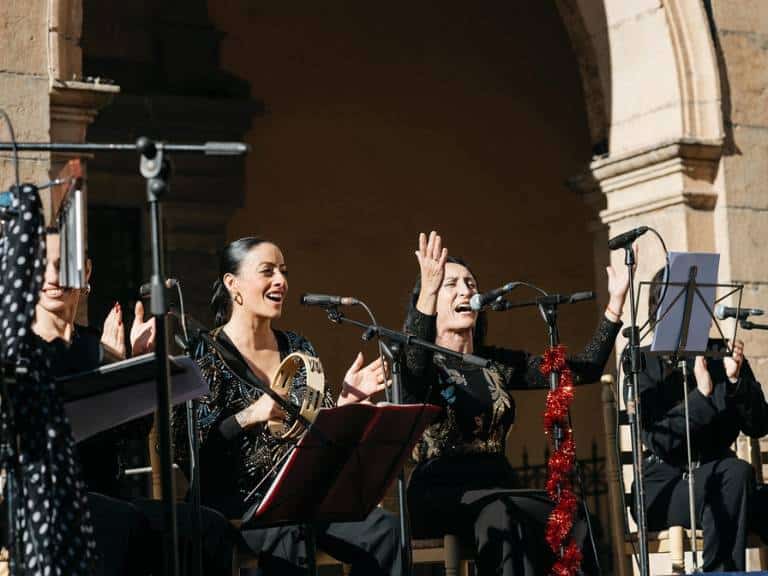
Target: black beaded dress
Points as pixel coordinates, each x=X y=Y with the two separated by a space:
x=463 y=483
x=237 y=466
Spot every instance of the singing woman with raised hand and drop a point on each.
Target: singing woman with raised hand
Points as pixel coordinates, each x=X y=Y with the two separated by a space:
x=462 y=483
x=237 y=450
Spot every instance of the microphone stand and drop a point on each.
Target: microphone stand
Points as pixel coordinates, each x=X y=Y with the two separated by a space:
x=749 y=325
x=548 y=307
x=634 y=415
x=155 y=168
x=397 y=343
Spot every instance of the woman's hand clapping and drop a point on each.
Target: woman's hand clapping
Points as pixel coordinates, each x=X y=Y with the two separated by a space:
x=360 y=383
x=113 y=333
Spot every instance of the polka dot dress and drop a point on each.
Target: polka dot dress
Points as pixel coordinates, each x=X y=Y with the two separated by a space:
x=53 y=521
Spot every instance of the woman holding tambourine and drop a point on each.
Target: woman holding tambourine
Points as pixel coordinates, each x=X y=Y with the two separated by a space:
x=244 y=428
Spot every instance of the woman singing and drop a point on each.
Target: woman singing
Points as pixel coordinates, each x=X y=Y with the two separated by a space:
x=237 y=450
x=462 y=483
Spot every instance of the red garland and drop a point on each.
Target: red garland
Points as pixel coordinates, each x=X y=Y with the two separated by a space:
x=560 y=465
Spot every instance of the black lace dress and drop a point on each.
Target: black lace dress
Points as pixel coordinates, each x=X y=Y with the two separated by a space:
x=237 y=467
x=462 y=483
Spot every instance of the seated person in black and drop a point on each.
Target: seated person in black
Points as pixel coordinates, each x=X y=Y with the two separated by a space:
x=127 y=537
x=463 y=483
x=724 y=400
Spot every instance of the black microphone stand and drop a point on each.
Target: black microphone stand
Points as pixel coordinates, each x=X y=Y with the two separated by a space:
x=155 y=168
x=749 y=325
x=394 y=348
x=633 y=413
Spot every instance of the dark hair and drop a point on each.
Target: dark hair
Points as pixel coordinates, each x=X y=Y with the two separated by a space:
x=230 y=260
x=481 y=326
x=654 y=296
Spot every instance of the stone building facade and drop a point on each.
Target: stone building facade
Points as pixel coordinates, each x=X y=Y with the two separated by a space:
x=527 y=134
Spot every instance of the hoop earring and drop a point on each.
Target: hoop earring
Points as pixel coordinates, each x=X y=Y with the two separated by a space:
x=238 y=299
x=86 y=290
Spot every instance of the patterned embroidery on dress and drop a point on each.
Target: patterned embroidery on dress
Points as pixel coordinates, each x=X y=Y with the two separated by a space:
x=488 y=430
x=259 y=450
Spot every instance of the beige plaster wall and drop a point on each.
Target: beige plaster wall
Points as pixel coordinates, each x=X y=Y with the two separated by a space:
x=24 y=84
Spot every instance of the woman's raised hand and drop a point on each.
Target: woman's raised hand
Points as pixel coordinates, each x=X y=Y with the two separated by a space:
x=113 y=334
x=360 y=383
x=432 y=258
x=618 y=286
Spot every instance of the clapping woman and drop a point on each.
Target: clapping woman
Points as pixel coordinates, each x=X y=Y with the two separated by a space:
x=238 y=454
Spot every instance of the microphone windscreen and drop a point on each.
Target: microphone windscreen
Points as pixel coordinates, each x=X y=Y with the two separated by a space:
x=720 y=311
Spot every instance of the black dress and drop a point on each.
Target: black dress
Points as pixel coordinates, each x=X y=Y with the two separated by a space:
x=727 y=500
x=237 y=465
x=463 y=483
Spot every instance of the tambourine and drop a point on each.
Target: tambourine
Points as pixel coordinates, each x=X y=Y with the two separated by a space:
x=313 y=394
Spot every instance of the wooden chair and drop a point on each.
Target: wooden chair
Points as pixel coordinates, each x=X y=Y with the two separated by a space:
x=449 y=551
x=674 y=541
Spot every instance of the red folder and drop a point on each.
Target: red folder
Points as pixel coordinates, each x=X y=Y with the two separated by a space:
x=341 y=468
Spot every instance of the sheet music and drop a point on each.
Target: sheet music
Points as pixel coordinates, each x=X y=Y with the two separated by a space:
x=667 y=332
x=351 y=454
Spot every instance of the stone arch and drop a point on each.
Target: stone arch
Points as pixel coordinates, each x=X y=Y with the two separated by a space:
x=623 y=49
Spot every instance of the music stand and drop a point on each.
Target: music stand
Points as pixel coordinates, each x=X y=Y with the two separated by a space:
x=682 y=330
x=352 y=454
x=116 y=393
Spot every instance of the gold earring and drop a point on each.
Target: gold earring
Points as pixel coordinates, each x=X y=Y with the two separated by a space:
x=86 y=290
x=238 y=299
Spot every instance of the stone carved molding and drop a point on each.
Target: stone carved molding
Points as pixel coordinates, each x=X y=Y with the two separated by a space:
x=649 y=180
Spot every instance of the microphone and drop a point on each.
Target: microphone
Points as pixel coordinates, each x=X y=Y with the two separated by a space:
x=722 y=312
x=146 y=289
x=550 y=299
x=625 y=239
x=325 y=300
x=580 y=297
x=480 y=301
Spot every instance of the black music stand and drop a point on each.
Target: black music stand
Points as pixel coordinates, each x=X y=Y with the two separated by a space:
x=342 y=467
x=116 y=393
x=676 y=315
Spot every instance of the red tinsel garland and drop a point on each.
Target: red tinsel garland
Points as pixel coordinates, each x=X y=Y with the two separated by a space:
x=560 y=465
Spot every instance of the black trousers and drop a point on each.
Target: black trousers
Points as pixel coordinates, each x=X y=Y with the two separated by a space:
x=473 y=496
x=129 y=537
x=728 y=505
x=371 y=547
